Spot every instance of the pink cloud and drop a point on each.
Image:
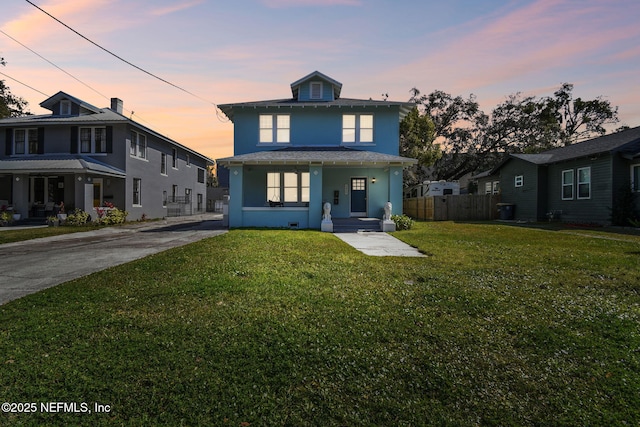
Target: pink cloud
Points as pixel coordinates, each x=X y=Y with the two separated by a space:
x=176 y=8
x=307 y=3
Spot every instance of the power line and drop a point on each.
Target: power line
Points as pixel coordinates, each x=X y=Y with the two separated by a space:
x=138 y=118
x=24 y=84
x=124 y=60
x=59 y=68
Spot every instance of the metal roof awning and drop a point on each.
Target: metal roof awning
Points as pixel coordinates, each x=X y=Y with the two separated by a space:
x=46 y=164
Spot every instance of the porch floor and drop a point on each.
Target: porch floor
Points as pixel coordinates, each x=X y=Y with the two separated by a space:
x=353 y=225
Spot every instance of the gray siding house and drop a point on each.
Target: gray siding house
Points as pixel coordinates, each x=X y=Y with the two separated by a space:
x=87 y=157
x=588 y=182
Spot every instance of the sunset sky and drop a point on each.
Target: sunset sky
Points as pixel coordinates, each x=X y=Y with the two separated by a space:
x=247 y=50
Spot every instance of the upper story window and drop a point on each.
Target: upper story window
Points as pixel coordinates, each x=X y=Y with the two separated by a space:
x=138 y=146
x=65 y=107
x=315 y=90
x=174 y=160
x=163 y=163
x=274 y=128
x=93 y=140
x=25 y=141
x=188 y=160
x=518 y=181
x=201 y=175
x=357 y=128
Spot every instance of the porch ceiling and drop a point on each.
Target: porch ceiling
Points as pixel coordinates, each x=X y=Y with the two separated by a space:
x=339 y=156
x=58 y=164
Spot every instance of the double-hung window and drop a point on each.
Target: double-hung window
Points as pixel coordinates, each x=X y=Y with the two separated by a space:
x=567 y=184
x=137 y=187
x=163 y=163
x=289 y=187
x=584 y=183
x=518 y=181
x=25 y=141
x=138 y=145
x=274 y=128
x=93 y=140
x=357 y=128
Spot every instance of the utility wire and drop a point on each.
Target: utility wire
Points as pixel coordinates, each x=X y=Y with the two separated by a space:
x=124 y=60
x=138 y=118
x=24 y=84
x=45 y=59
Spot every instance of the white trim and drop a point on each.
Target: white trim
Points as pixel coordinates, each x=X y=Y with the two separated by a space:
x=311 y=86
x=578 y=183
x=353 y=213
x=563 y=185
x=518 y=181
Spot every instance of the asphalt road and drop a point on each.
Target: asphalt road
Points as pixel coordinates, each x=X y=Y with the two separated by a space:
x=33 y=265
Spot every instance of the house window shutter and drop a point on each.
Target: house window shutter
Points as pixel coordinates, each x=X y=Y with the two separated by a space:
x=74 y=139
x=40 y=149
x=109 y=139
x=8 y=148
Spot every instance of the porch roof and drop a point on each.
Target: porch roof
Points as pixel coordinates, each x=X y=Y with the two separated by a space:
x=327 y=156
x=61 y=163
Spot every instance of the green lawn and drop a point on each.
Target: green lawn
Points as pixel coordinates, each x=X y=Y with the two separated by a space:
x=498 y=325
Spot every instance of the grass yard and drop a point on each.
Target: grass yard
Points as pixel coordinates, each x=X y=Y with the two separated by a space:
x=499 y=325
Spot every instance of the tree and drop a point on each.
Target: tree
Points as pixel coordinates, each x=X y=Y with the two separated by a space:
x=579 y=119
x=10 y=105
x=473 y=140
x=416 y=141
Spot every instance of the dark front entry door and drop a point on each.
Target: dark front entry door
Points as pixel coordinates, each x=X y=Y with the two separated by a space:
x=358 y=196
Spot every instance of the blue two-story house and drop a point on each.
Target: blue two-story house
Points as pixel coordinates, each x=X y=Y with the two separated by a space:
x=294 y=155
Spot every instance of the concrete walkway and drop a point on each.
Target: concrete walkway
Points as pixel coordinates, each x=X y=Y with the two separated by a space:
x=378 y=244
x=37 y=264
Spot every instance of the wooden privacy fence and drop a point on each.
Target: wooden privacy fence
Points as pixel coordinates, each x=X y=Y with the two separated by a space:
x=467 y=207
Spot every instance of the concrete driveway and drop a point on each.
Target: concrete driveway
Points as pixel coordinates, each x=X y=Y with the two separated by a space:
x=27 y=267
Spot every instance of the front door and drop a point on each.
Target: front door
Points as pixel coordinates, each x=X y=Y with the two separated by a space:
x=358 y=196
x=97 y=192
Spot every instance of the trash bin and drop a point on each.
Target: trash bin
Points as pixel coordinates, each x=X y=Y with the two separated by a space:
x=506 y=210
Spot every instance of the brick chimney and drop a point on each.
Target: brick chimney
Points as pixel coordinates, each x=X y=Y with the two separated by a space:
x=116 y=105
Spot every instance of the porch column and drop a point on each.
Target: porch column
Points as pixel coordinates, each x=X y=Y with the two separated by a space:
x=84 y=194
x=21 y=194
x=395 y=189
x=315 y=196
x=235 y=196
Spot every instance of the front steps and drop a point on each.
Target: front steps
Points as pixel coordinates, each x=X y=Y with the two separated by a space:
x=354 y=225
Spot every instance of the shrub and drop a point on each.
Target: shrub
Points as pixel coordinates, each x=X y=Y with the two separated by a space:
x=111 y=216
x=77 y=217
x=403 y=222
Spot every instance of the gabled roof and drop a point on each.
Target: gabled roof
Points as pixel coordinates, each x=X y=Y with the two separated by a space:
x=91 y=116
x=328 y=155
x=626 y=142
x=337 y=86
x=51 y=101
